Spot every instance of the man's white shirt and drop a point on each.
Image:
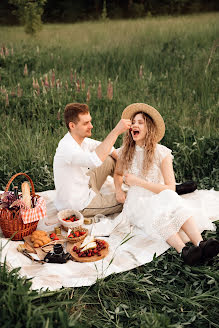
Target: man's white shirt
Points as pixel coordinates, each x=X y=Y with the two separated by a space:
x=70 y=166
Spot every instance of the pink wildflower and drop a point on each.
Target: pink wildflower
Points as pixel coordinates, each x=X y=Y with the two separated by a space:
x=19 y=91
x=37 y=87
x=88 y=95
x=71 y=76
x=53 y=79
x=141 y=72
x=46 y=82
x=34 y=83
x=58 y=84
x=2 y=52
x=110 y=90
x=99 y=91
x=83 y=85
x=58 y=115
x=6 y=100
x=25 y=70
x=78 y=85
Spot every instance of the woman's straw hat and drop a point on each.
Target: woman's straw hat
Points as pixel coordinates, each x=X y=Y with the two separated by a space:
x=132 y=109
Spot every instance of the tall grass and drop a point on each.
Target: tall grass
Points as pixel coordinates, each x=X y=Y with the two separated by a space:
x=161 y=294
x=174 y=53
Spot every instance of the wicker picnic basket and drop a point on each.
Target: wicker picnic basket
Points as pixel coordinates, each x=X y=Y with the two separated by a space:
x=11 y=221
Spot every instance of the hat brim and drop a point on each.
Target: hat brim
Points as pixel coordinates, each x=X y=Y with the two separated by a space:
x=132 y=109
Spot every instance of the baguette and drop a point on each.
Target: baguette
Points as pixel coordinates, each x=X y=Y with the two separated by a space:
x=25 y=188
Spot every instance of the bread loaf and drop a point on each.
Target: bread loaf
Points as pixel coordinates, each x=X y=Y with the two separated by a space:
x=25 y=188
x=39 y=238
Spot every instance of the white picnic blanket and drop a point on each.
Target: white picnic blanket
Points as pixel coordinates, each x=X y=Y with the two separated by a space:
x=124 y=253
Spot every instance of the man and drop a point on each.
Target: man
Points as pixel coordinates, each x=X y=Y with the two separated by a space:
x=81 y=165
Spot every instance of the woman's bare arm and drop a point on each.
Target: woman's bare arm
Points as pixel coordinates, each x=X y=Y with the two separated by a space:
x=118 y=180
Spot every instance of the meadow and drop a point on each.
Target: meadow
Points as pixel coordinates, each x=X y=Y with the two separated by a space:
x=170 y=63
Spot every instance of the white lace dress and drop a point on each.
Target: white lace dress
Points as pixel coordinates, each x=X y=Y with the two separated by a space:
x=161 y=215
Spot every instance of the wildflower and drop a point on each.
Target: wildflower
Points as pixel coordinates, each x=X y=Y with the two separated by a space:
x=25 y=70
x=12 y=51
x=6 y=100
x=58 y=115
x=44 y=90
x=34 y=83
x=19 y=90
x=53 y=79
x=88 y=94
x=99 y=90
x=75 y=75
x=66 y=85
x=71 y=76
x=37 y=49
x=46 y=82
x=141 y=72
x=82 y=84
x=42 y=82
x=78 y=85
x=110 y=90
x=2 y=52
x=58 y=84
x=6 y=52
x=37 y=87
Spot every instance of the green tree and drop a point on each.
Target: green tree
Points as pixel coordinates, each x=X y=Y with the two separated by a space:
x=29 y=13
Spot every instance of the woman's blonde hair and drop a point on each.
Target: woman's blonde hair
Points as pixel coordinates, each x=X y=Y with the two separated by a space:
x=128 y=146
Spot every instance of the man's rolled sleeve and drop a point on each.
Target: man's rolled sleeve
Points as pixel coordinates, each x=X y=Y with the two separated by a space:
x=85 y=159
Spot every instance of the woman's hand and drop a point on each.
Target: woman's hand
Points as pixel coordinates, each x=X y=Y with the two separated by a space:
x=130 y=179
x=120 y=196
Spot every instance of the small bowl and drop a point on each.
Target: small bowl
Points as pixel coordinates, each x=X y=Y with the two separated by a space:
x=77 y=239
x=65 y=214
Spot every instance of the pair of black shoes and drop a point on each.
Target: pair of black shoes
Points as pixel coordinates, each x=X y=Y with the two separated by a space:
x=186 y=187
x=206 y=250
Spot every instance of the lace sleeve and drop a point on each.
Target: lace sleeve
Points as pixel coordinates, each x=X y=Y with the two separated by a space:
x=163 y=151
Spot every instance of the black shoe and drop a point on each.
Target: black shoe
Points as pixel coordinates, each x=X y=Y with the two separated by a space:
x=191 y=255
x=210 y=248
x=186 y=187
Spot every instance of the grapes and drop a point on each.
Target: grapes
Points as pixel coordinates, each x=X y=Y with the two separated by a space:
x=6 y=199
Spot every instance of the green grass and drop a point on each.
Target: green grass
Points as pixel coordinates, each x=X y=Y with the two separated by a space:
x=160 y=294
x=174 y=53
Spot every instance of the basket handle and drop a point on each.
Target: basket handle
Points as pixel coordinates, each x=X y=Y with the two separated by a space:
x=27 y=176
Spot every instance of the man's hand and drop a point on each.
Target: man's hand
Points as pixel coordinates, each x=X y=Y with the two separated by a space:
x=122 y=126
x=130 y=179
x=120 y=196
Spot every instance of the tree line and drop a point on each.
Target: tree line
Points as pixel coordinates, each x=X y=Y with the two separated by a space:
x=68 y=11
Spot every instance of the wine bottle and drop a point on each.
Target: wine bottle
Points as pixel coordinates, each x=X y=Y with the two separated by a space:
x=16 y=192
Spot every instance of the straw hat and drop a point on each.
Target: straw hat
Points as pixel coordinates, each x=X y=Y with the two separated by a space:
x=130 y=110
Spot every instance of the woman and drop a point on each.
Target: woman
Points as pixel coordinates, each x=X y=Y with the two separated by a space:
x=152 y=203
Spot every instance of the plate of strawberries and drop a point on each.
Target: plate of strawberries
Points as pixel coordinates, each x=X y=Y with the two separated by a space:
x=70 y=219
x=89 y=250
x=75 y=235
